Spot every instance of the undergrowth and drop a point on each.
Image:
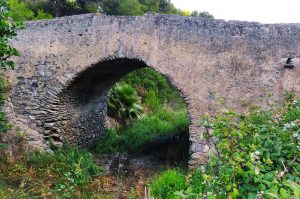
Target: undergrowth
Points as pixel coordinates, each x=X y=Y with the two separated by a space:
x=151 y=107
x=65 y=173
x=143 y=130
x=4 y=123
x=163 y=185
x=258 y=156
x=153 y=86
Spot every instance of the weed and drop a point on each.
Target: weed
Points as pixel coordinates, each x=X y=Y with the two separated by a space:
x=167 y=183
x=63 y=173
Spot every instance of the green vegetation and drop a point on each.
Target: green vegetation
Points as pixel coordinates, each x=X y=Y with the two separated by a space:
x=44 y=9
x=154 y=89
x=257 y=153
x=163 y=185
x=124 y=103
x=164 y=112
x=202 y=14
x=144 y=130
x=65 y=173
x=4 y=124
x=8 y=29
x=20 y=12
x=138 y=7
x=258 y=156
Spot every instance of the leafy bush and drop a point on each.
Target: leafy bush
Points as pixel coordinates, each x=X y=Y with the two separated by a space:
x=8 y=29
x=202 y=14
x=258 y=156
x=166 y=184
x=154 y=87
x=138 y=7
x=19 y=11
x=40 y=14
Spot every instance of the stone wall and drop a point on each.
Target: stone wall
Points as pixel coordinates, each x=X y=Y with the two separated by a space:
x=68 y=64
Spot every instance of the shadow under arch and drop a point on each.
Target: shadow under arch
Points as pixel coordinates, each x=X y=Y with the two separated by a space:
x=85 y=99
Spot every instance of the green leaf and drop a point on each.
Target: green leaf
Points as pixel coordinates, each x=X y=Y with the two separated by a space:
x=262 y=187
x=283 y=193
x=271 y=195
x=235 y=193
x=251 y=195
x=268 y=177
x=292 y=185
x=228 y=187
x=211 y=197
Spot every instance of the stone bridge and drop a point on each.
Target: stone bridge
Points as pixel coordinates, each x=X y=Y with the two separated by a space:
x=67 y=65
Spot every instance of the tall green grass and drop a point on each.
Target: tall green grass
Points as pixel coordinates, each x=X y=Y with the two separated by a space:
x=132 y=138
x=65 y=173
x=165 y=184
x=78 y=162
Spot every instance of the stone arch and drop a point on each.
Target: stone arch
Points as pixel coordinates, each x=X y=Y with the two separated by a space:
x=198 y=55
x=84 y=101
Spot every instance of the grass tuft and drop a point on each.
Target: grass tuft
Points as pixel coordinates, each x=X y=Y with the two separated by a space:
x=144 y=130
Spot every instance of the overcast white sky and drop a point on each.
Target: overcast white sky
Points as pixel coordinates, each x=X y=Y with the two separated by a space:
x=264 y=11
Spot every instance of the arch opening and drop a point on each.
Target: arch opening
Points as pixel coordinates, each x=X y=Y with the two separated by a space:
x=86 y=99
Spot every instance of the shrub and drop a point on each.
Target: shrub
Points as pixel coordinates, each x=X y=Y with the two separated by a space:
x=167 y=183
x=148 y=128
x=156 y=88
x=148 y=89
x=40 y=14
x=64 y=161
x=8 y=29
x=123 y=103
x=19 y=12
x=258 y=156
x=65 y=173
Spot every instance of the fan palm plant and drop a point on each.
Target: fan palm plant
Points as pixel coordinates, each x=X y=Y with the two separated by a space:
x=124 y=103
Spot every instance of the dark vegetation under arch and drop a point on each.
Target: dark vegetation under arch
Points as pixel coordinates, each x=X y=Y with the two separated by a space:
x=144 y=106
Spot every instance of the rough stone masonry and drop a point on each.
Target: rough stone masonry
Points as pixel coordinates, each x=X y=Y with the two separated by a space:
x=67 y=65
